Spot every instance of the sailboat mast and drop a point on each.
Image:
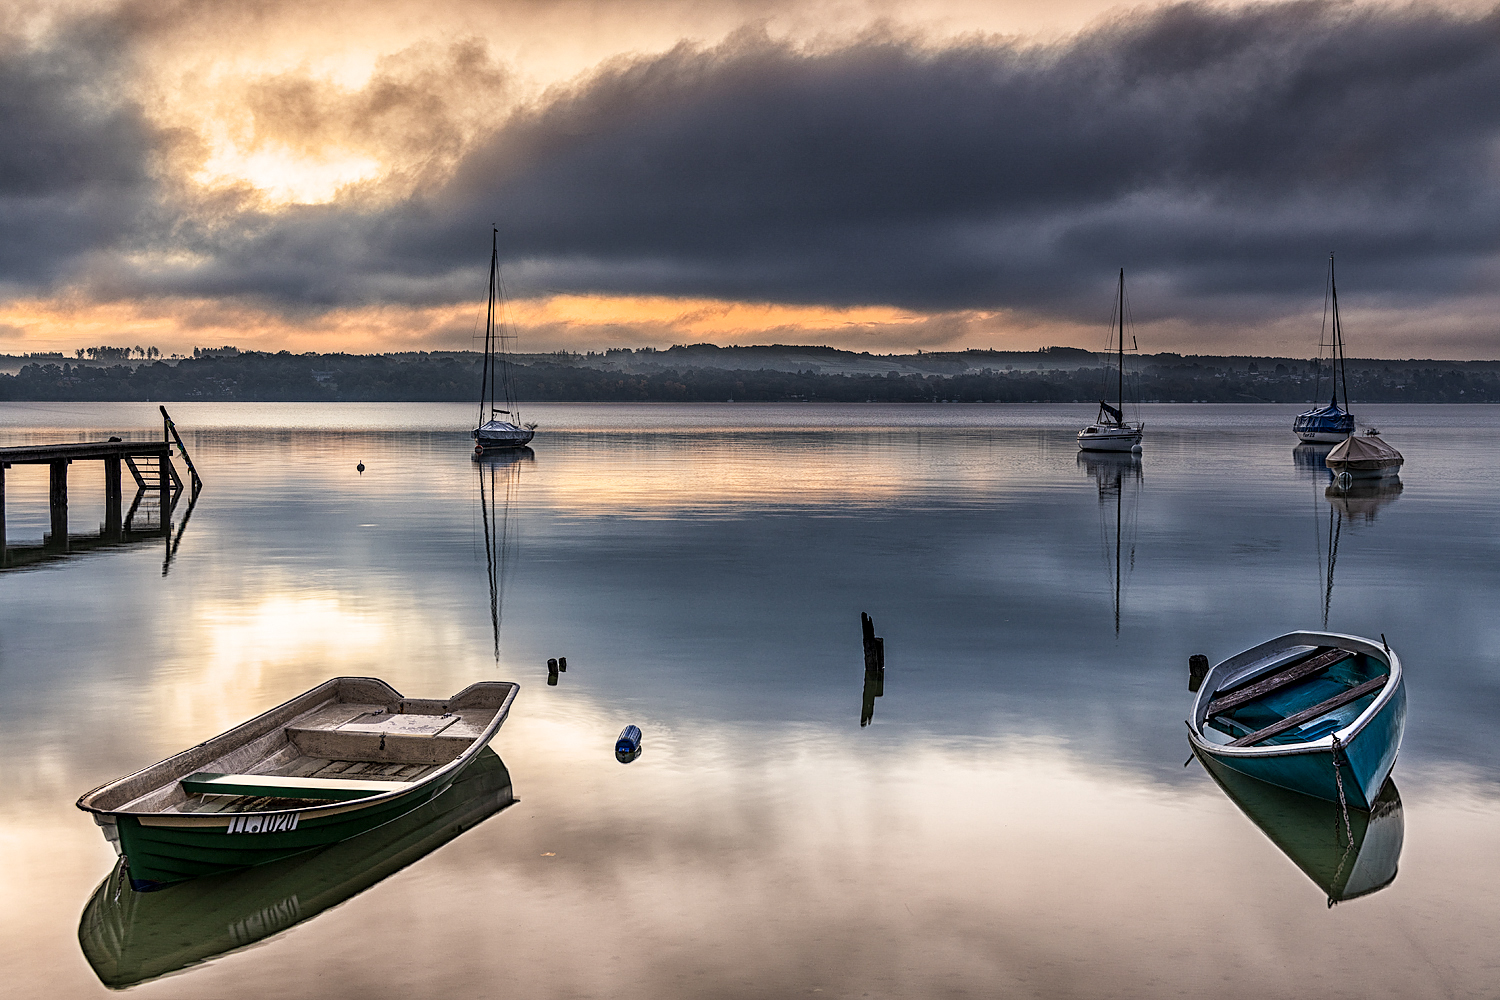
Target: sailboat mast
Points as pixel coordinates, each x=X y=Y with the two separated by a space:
x=1338 y=336
x=487 y=379
x=1120 y=394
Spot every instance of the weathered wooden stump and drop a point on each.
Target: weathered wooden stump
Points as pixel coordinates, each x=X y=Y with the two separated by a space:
x=1197 y=670
x=874 y=668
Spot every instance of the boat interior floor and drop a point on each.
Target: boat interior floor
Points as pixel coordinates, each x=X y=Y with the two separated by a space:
x=337 y=752
x=1281 y=701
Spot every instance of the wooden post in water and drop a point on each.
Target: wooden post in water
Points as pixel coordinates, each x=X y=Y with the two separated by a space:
x=113 y=526
x=57 y=500
x=1197 y=670
x=874 y=668
x=2 y=514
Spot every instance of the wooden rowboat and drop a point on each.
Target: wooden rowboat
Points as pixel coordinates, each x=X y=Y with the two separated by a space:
x=1316 y=712
x=343 y=758
x=129 y=937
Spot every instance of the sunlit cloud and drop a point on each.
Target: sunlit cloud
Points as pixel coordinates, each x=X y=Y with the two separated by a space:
x=859 y=173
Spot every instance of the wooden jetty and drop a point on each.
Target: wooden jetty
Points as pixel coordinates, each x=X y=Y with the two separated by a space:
x=149 y=463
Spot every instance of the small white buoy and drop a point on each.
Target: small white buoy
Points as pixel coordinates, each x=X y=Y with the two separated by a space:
x=1135 y=449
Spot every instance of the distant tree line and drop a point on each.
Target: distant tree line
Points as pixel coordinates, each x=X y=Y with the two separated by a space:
x=216 y=374
x=117 y=353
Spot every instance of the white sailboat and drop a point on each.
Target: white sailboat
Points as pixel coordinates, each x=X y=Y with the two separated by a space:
x=494 y=433
x=1110 y=431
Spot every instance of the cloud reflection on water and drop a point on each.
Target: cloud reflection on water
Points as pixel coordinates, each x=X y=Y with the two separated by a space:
x=1015 y=818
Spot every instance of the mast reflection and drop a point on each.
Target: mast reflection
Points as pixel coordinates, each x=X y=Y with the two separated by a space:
x=499 y=475
x=1115 y=473
x=130 y=937
x=1345 y=862
x=1355 y=504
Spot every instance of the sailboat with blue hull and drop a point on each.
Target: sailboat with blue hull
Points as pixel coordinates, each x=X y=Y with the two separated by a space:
x=1315 y=712
x=1332 y=423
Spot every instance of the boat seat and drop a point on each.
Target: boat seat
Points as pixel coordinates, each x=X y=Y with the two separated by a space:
x=280 y=786
x=1308 y=714
x=1315 y=663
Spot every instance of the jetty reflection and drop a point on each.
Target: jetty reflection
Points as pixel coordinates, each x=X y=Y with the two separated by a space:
x=1115 y=473
x=130 y=937
x=1344 y=863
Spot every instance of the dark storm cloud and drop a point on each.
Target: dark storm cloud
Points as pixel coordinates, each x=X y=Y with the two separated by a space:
x=74 y=157
x=1216 y=153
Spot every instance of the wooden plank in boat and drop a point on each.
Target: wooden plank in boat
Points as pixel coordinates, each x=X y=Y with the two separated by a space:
x=1308 y=714
x=1277 y=681
x=404 y=725
x=206 y=783
x=376 y=749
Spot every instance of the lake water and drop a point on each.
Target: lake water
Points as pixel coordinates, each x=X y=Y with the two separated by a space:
x=1015 y=820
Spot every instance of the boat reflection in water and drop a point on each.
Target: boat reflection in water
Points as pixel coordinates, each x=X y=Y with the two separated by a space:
x=499 y=473
x=1357 y=502
x=1115 y=474
x=129 y=937
x=1313 y=457
x=1361 y=499
x=1312 y=834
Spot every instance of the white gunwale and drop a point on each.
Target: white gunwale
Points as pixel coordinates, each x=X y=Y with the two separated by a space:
x=139 y=784
x=1234 y=671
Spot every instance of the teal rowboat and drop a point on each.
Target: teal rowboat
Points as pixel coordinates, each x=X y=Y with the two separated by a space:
x=337 y=761
x=1285 y=710
x=1345 y=862
x=129 y=937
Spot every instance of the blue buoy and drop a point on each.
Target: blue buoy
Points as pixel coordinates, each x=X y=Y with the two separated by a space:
x=629 y=741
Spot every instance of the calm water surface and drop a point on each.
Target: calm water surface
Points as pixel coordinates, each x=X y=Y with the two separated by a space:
x=1014 y=821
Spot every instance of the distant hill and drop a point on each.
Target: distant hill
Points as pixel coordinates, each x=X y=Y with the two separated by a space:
x=707 y=373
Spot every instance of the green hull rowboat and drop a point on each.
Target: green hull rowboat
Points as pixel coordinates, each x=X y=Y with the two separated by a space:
x=129 y=937
x=341 y=759
x=1344 y=861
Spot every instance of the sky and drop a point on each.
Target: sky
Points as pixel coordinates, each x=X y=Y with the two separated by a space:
x=870 y=175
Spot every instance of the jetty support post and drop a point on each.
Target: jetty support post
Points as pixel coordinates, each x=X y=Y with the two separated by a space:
x=2 y=514
x=113 y=502
x=165 y=474
x=57 y=500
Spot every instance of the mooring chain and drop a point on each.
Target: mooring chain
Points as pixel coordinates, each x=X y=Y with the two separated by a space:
x=1338 y=751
